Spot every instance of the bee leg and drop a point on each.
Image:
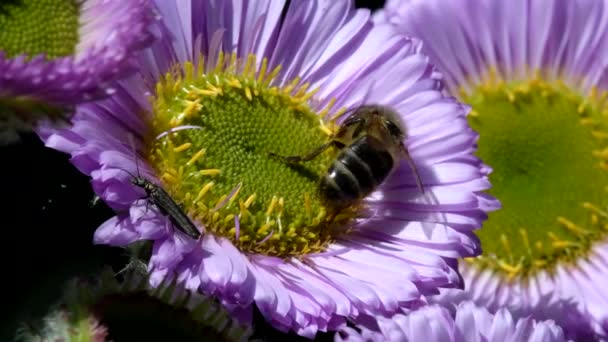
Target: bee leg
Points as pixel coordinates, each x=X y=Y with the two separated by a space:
x=412 y=165
x=332 y=216
x=309 y=156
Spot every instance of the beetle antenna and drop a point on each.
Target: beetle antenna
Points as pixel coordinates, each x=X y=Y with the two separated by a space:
x=132 y=144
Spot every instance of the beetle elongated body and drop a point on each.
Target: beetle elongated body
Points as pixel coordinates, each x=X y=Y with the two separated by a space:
x=168 y=207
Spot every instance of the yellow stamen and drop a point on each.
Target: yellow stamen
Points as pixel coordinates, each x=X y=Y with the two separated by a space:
x=182 y=147
x=599 y=134
x=571 y=226
x=236 y=193
x=219 y=65
x=603 y=154
x=273 y=203
x=327 y=108
x=196 y=156
x=243 y=212
x=235 y=83
x=249 y=70
x=233 y=63
x=249 y=200
x=204 y=190
x=289 y=88
x=508 y=267
x=266 y=227
x=561 y=244
x=262 y=71
x=597 y=210
x=209 y=172
x=220 y=200
x=207 y=92
x=229 y=218
x=192 y=107
x=273 y=74
x=506 y=245
x=524 y=236
x=324 y=128
x=168 y=178
x=338 y=115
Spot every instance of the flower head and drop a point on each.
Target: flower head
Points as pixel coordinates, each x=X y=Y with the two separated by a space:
x=105 y=309
x=434 y=323
x=59 y=53
x=230 y=83
x=535 y=75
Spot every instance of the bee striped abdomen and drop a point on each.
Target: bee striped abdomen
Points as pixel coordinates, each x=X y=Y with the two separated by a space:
x=357 y=171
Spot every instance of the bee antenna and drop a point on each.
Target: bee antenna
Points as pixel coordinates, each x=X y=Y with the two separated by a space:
x=412 y=166
x=368 y=92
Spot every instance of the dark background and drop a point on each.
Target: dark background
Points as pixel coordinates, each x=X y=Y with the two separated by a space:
x=47 y=228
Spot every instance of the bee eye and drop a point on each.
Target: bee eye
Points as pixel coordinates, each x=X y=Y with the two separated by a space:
x=393 y=129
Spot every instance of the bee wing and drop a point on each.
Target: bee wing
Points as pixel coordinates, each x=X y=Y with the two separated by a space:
x=435 y=218
x=427 y=197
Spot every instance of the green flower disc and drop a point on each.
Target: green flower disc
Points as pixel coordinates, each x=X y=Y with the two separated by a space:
x=34 y=27
x=547 y=146
x=223 y=174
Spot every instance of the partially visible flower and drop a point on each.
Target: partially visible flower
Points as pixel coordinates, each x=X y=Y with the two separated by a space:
x=230 y=82
x=54 y=54
x=106 y=309
x=61 y=325
x=469 y=323
x=535 y=74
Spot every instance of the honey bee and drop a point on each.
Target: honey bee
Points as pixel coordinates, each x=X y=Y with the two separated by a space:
x=371 y=144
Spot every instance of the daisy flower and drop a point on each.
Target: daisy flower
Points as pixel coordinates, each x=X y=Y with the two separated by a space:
x=229 y=83
x=469 y=323
x=57 y=53
x=535 y=75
